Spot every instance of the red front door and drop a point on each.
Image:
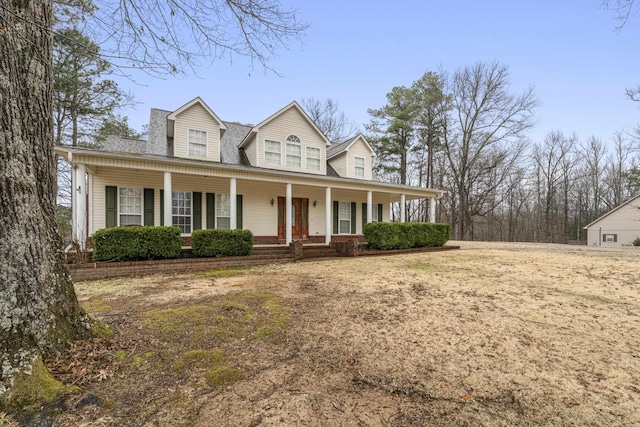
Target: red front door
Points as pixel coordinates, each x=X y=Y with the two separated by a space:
x=299 y=218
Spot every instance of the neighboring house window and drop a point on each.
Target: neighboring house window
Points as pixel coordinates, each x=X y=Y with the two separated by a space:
x=130 y=206
x=344 y=218
x=181 y=209
x=294 y=151
x=359 y=163
x=313 y=158
x=272 y=152
x=610 y=238
x=223 y=211
x=197 y=143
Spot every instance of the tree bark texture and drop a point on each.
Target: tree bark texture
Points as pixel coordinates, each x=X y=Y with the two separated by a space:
x=39 y=311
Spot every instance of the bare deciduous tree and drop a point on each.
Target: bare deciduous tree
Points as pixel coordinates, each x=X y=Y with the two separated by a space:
x=39 y=311
x=330 y=120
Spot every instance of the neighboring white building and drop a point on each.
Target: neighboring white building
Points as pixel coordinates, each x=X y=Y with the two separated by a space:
x=619 y=226
x=282 y=179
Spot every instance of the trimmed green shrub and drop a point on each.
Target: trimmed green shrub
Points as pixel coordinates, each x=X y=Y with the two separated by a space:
x=402 y=235
x=220 y=243
x=636 y=242
x=136 y=243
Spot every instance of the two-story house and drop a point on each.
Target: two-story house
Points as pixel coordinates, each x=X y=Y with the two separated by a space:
x=282 y=179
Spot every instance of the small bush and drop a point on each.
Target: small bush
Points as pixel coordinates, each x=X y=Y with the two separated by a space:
x=136 y=243
x=402 y=235
x=221 y=243
x=636 y=242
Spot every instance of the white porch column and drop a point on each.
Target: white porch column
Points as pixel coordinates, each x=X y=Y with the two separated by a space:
x=287 y=216
x=327 y=217
x=369 y=209
x=402 y=208
x=432 y=209
x=80 y=224
x=168 y=200
x=233 y=203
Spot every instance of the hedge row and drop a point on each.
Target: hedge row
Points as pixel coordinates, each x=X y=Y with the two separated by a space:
x=136 y=243
x=220 y=243
x=403 y=235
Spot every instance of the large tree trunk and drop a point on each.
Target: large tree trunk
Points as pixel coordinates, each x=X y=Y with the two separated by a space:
x=39 y=311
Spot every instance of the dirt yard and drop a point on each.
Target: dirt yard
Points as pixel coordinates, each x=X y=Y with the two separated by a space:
x=491 y=334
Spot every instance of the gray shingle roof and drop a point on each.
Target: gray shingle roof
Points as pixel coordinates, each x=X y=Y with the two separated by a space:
x=233 y=136
x=126 y=145
x=339 y=147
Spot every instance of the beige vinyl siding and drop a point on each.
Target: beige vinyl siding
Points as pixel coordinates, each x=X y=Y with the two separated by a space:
x=197 y=118
x=292 y=122
x=250 y=151
x=121 y=178
x=359 y=149
x=624 y=223
x=339 y=164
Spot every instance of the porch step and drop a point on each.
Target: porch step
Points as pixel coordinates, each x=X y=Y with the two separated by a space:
x=320 y=252
x=270 y=250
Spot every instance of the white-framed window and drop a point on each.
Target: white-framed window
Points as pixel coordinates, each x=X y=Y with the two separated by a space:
x=374 y=213
x=294 y=152
x=272 y=153
x=294 y=155
x=313 y=158
x=344 y=218
x=223 y=211
x=197 y=143
x=130 y=206
x=610 y=238
x=181 y=210
x=359 y=165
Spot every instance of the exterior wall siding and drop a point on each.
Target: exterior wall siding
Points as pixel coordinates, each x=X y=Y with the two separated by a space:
x=251 y=152
x=291 y=122
x=339 y=164
x=359 y=149
x=625 y=223
x=197 y=118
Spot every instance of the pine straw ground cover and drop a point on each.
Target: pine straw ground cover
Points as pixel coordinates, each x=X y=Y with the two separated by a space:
x=492 y=334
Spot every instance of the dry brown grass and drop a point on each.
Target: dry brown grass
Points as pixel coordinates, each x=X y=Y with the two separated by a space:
x=492 y=334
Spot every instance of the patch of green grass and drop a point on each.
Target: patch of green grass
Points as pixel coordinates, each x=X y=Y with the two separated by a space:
x=202 y=358
x=220 y=272
x=223 y=375
x=249 y=314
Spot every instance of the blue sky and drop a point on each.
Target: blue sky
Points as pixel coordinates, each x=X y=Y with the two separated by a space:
x=356 y=51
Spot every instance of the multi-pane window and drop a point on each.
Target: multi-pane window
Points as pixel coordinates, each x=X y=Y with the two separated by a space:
x=272 y=152
x=130 y=206
x=374 y=213
x=359 y=164
x=181 y=209
x=294 y=155
x=223 y=211
x=197 y=143
x=294 y=151
x=610 y=238
x=313 y=158
x=344 y=217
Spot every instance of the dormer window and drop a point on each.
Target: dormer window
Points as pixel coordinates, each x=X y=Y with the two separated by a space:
x=197 y=143
x=294 y=151
x=359 y=165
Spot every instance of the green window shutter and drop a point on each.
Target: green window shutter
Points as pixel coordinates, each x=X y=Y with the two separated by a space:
x=353 y=218
x=148 y=206
x=111 y=212
x=197 y=210
x=239 y=211
x=161 y=207
x=379 y=212
x=211 y=210
x=364 y=215
x=336 y=207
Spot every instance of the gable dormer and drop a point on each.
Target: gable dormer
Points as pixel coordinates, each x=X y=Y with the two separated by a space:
x=287 y=140
x=196 y=131
x=353 y=158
